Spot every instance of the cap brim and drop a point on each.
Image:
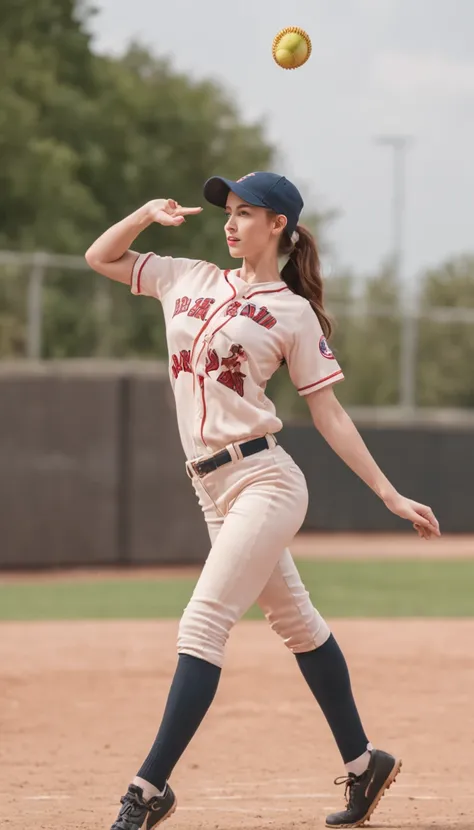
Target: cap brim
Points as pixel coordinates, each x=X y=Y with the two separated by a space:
x=216 y=191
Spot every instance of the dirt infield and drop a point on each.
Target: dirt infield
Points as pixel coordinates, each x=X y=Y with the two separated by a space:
x=81 y=702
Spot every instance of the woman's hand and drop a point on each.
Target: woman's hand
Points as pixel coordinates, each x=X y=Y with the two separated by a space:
x=169 y=212
x=420 y=515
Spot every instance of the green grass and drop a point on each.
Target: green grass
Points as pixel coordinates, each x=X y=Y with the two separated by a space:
x=339 y=589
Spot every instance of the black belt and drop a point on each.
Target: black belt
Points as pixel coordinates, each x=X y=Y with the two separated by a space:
x=208 y=465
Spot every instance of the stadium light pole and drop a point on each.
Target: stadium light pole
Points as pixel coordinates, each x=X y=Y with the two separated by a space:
x=408 y=329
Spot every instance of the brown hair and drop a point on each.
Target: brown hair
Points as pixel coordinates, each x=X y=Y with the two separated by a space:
x=302 y=272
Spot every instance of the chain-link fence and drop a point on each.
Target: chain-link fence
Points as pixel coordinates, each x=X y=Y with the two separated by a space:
x=55 y=307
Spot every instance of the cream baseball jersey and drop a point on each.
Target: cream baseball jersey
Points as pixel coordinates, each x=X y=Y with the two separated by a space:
x=226 y=338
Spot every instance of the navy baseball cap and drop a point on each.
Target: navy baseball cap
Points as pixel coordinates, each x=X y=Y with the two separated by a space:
x=267 y=190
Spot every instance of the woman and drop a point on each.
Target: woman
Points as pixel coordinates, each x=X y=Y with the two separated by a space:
x=227 y=333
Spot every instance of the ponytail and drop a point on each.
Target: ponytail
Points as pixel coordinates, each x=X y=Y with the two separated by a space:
x=302 y=273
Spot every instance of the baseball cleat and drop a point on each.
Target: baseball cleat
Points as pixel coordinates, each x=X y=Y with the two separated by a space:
x=136 y=812
x=363 y=792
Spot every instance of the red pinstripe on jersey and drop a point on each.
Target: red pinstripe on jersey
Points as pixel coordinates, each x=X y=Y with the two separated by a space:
x=222 y=325
x=266 y=291
x=139 y=276
x=204 y=408
x=328 y=377
x=228 y=300
x=201 y=379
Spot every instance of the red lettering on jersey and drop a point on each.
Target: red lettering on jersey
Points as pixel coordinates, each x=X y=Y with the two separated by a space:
x=262 y=317
x=249 y=310
x=261 y=314
x=233 y=309
x=233 y=380
x=182 y=304
x=201 y=307
x=181 y=362
x=212 y=361
x=268 y=322
x=232 y=377
x=175 y=365
x=186 y=360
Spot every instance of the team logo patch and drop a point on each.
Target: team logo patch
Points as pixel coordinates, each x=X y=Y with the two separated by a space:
x=324 y=348
x=246 y=177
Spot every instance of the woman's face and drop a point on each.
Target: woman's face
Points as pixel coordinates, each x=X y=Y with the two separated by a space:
x=250 y=230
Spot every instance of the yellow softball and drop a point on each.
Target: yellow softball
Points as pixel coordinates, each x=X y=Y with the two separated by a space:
x=291 y=47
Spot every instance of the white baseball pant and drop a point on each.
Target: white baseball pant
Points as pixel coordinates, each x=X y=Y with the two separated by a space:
x=253 y=508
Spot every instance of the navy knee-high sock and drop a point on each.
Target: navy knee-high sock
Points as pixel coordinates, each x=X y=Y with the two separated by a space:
x=192 y=692
x=326 y=673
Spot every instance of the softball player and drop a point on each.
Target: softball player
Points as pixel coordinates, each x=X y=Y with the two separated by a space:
x=227 y=333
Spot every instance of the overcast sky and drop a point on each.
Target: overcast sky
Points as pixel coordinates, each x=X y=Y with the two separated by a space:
x=378 y=66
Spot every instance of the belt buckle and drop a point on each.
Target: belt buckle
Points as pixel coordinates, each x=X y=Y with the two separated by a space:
x=192 y=468
x=208 y=462
x=208 y=465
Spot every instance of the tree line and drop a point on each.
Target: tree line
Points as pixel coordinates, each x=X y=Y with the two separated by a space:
x=87 y=138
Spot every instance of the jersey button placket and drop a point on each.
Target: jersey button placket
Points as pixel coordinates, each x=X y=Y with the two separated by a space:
x=199 y=369
x=199 y=374
x=199 y=405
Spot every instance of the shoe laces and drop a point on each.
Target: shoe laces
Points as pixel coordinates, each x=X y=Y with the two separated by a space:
x=350 y=782
x=133 y=798
x=136 y=805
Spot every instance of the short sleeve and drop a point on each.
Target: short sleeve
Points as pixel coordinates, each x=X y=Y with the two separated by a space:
x=310 y=361
x=154 y=275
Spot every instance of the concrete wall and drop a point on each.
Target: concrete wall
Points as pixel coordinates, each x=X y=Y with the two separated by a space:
x=92 y=471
